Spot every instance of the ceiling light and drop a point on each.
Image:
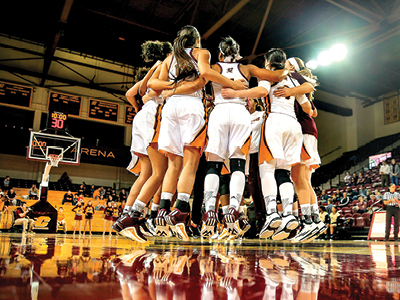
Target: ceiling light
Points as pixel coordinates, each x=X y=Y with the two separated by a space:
x=325 y=58
x=312 y=64
x=338 y=52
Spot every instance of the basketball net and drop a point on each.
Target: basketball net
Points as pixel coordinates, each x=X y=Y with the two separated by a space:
x=54 y=159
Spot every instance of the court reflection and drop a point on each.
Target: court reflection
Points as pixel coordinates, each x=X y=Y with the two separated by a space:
x=67 y=267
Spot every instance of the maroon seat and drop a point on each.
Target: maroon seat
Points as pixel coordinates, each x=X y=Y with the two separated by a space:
x=366 y=215
x=355 y=202
x=348 y=215
x=360 y=222
x=356 y=215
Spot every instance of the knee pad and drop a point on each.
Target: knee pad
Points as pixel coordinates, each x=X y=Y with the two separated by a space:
x=224 y=184
x=237 y=164
x=214 y=167
x=282 y=176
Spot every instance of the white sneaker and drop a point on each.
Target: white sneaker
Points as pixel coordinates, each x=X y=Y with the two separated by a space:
x=272 y=222
x=321 y=227
x=306 y=232
x=151 y=227
x=288 y=224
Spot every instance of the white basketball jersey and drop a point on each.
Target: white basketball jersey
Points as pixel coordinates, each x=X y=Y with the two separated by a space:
x=172 y=75
x=232 y=72
x=283 y=105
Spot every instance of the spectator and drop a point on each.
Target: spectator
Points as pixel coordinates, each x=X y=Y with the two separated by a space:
x=114 y=195
x=378 y=195
x=394 y=172
x=108 y=192
x=92 y=189
x=64 y=179
x=391 y=200
x=75 y=200
x=374 y=203
x=102 y=192
x=351 y=193
x=21 y=218
x=101 y=203
x=360 y=179
x=334 y=218
x=324 y=217
x=345 y=200
x=329 y=206
x=109 y=199
x=68 y=197
x=61 y=219
x=354 y=179
x=338 y=194
x=369 y=193
x=122 y=195
x=12 y=197
x=81 y=190
x=347 y=179
x=362 y=191
x=384 y=170
x=6 y=183
x=33 y=192
x=324 y=197
x=96 y=194
x=362 y=205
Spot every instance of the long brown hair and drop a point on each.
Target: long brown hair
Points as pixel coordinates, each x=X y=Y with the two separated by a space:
x=185 y=66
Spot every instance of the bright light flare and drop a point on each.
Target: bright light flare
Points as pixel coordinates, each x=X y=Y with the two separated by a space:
x=325 y=58
x=338 y=52
x=312 y=64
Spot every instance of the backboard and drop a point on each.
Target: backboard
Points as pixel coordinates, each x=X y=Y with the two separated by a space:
x=43 y=144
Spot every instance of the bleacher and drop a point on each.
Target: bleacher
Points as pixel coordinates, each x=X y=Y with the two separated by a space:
x=55 y=198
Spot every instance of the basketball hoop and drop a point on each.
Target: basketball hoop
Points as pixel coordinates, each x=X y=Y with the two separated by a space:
x=54 y=159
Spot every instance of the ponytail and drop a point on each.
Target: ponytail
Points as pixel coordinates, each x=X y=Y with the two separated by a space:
x=185 y=66
x=229 y=48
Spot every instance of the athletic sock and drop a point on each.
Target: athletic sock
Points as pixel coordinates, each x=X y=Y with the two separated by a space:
x=314 y=208
x=138 y=206
x=236 y=187
x=182 y=202
x=127 y=209
x=270 y=204
x=154 y=210
x=211 y=185
x=165 y=202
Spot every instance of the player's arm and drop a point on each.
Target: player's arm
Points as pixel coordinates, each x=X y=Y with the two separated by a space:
x=305 y=103
x=254 y=92
x=130 y=95
x=264 y=74
x=145 y=80
x=186 y=87
x=208 y=73
x=304 y=88
x=159 y=80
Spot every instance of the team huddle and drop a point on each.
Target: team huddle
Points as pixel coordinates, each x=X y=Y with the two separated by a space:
x=179 y=122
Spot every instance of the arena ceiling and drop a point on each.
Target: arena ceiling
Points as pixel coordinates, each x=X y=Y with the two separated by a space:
x=115 y=29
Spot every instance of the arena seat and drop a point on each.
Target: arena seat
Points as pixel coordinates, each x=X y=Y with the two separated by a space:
x=359 y=222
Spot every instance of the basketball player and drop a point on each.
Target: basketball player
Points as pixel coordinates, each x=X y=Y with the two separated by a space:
x=280 y=148
x=182 y=132
x=310 y=160
x=229 y=134
x=145 y=129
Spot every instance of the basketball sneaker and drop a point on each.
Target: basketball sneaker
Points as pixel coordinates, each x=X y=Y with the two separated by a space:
x=194 y=231
x=209 y=222
x=272 y=222
x=288 y=224
x=162 y=228
x=178 y=220
x=309 y=228
x=129 y=227
x=150 y=225
x=231 y=219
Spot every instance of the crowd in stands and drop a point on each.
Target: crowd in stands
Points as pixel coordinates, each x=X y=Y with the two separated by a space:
x=361 y=196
